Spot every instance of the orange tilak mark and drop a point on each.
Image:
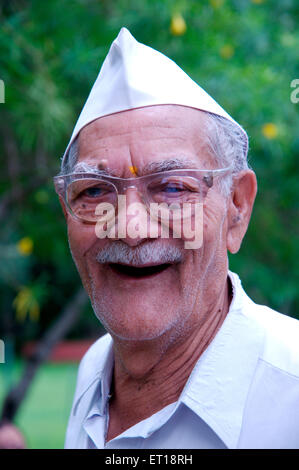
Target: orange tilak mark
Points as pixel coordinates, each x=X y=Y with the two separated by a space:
x=133 y=170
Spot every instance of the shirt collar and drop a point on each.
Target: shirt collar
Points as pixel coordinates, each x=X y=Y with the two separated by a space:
x=97 y=380
x=219 y=383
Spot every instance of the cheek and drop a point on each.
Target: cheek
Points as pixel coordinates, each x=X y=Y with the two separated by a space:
x=214 y=229
x=82 y=241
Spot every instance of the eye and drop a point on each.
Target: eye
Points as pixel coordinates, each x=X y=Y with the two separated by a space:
x=172 y=188
x=89 y=191
x=169 y=187
x=93 y=192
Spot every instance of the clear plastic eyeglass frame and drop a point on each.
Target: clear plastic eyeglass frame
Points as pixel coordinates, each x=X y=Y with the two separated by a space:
x=179 y=186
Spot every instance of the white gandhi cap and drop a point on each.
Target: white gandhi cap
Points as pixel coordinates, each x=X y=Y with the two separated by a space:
x=133 y=76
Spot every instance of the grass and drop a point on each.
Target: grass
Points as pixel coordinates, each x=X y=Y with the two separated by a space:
x=44 y=412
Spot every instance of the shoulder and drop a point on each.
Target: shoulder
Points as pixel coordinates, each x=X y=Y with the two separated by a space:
x=280 y=333
x=280 y=337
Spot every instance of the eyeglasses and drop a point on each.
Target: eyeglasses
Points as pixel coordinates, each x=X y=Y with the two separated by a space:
x=83 y=192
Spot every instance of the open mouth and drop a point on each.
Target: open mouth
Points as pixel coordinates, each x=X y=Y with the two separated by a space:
x=138 y=272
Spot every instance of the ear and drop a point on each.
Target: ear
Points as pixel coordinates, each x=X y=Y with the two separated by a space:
x=240 y=207
x=63 y=207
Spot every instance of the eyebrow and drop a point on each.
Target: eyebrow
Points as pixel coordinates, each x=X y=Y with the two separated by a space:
x=83 y=167
x=166 y=165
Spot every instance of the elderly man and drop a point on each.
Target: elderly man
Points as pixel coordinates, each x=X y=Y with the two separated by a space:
x=189 y=360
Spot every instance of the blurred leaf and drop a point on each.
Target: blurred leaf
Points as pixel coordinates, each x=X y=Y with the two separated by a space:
x=28 y=301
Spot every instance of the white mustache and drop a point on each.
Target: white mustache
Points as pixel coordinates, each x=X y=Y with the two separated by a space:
x=153 y=252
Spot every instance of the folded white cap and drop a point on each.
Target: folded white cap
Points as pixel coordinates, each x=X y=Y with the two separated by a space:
x=133 y=76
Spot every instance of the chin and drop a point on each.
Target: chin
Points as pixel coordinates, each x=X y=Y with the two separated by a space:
x=135 y=326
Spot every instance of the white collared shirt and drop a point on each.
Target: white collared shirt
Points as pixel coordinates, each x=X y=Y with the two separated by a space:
x=242 y=393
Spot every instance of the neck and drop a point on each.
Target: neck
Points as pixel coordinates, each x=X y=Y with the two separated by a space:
x=150 y=375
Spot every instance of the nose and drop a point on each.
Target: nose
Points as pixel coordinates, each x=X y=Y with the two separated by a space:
x=132 y=220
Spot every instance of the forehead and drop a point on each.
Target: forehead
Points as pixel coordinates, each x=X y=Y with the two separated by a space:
x=148 y=135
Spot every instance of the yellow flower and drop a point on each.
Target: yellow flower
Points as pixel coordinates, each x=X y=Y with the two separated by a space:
x=216 y=3
x=270 y=130
x=25 y=303
x=227 y=51
x=178 y=25
x=25 y=246
x=257 y=2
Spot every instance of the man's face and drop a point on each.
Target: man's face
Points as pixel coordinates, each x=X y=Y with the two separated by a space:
x=174 y=296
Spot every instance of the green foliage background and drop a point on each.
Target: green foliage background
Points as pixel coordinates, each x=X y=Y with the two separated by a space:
x=243 y=52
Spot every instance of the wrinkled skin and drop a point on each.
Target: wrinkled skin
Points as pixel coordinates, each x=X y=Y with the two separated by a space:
x=161 y=324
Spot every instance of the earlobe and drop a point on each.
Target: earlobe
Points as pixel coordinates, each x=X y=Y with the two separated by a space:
x=240 y=208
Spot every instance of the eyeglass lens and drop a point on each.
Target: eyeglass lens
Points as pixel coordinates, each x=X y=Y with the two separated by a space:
x=84 y=195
